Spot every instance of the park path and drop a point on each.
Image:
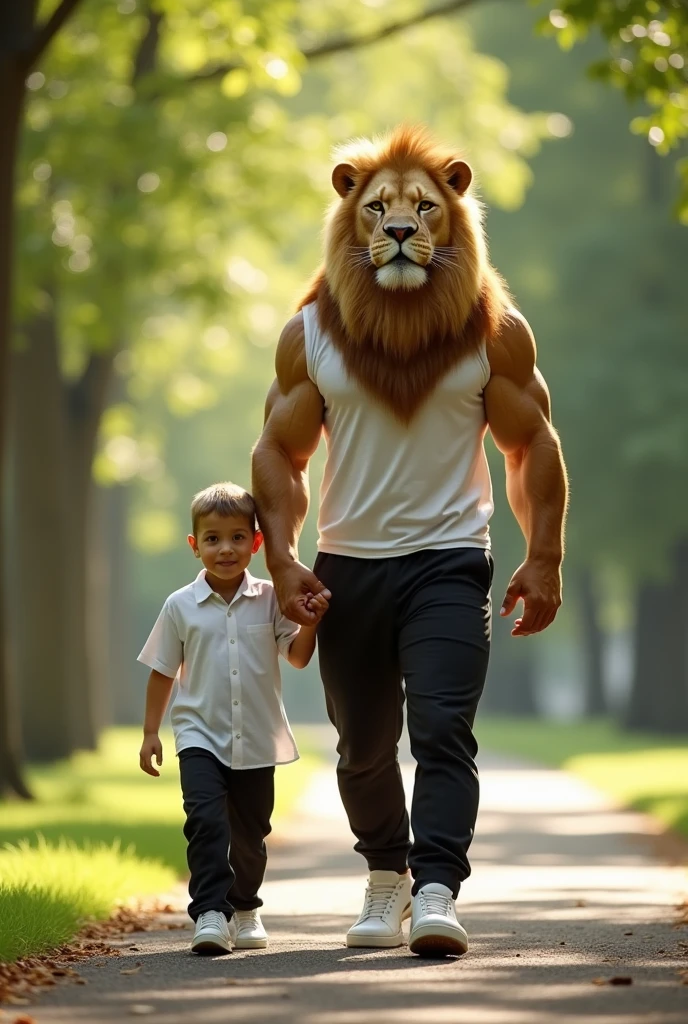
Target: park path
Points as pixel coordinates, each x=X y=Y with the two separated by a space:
x=565 y=891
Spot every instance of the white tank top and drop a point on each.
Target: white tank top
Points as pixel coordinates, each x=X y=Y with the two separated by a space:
x=391 y=489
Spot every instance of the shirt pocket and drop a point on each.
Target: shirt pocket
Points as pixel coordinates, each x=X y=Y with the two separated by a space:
x=260 y=653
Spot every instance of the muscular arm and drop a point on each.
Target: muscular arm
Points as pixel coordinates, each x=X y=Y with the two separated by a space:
x=293 y=425
x=518 y=414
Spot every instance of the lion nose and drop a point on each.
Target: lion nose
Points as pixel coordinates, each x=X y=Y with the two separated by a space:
x=401 y=233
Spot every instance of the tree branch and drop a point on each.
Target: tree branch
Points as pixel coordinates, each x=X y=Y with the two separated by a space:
x=338 y=44
x=346 y=42
x=146 y=56
x=45 y=32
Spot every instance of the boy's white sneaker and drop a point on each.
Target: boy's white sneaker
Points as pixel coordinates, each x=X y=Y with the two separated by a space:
x=387 y=904
x=435 y=930
x=211 y=934
x=247 y=931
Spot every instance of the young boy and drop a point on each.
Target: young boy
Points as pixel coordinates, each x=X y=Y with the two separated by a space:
x=221 y=634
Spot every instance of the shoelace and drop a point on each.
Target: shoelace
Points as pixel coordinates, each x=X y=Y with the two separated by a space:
x=436 y=903
x=377 y=900
x=214 y=918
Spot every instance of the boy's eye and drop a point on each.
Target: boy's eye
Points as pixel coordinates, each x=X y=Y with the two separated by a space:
x=238 y=536
x=211 y=539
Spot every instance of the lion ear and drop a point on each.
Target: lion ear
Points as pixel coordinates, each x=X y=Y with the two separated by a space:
x=459 y=176
x=344 y=178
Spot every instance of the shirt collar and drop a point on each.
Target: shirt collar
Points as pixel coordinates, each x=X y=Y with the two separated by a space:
x=247 y=588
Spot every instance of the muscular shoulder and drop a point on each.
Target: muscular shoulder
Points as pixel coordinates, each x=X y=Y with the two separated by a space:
x=512 y=352
x=290 y=359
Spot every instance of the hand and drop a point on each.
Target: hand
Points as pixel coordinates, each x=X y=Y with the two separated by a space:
x=151 y=746
x=317 y=603
x=538 y=585
x=296 y=586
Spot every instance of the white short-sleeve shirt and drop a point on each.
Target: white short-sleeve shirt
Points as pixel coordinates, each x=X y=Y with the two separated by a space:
x=225 y=658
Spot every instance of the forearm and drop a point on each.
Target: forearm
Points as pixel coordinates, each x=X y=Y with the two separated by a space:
x=157 y=699
x=280 y=490
x=537 y=491
x=302 y=647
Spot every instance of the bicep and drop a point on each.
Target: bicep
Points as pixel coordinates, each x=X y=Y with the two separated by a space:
x=517 y=411
x=294 y=407
x=516 y=397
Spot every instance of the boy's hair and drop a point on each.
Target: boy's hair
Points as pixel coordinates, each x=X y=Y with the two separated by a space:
x=226 y=499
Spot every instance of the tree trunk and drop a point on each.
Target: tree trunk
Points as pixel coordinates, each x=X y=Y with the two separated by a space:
x=593 y=643
x=126 y=707
x=41 y=531
x=16 y=27
x=84 y=405
x=54 y=492
x=659 y=690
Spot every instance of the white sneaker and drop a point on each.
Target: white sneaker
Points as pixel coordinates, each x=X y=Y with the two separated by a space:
x=211 y=934
x=435 y=930
x=387 y=904
x=247 y=931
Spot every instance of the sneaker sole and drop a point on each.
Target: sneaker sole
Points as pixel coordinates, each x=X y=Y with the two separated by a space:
x=250 y=943
x=209 y=945
x=375 y=941
x=431 y=942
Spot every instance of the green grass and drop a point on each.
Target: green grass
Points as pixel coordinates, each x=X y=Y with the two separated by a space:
x=98 y=832
x=47 y=889
x=643 y=771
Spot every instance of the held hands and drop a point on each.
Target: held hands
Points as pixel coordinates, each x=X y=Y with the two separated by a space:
x=317 y=603
x=150 y=747
x=538 y=584
x=297 y=591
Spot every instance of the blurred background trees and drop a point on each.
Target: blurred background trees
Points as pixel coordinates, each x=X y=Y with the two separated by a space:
x=173 y=167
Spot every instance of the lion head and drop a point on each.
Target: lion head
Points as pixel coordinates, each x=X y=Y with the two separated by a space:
x=406 y=289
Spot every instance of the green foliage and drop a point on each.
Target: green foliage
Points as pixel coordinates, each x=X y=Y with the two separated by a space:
x=640 y=770
x=47 y=889
x=647 y=60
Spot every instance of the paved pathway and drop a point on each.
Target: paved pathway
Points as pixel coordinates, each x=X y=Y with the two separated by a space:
x=565 y=890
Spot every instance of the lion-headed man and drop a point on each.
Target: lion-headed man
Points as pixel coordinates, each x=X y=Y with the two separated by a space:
x=404 y=351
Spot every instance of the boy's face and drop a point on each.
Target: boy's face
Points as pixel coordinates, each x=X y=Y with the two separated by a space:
x=225 y=544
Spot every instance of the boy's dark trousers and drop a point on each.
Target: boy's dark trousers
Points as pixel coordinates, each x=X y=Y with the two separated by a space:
x=423 y=618
x=227 y=819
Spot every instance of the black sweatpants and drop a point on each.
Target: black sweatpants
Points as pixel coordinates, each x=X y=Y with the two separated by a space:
x=423 y=618
x=227 y=819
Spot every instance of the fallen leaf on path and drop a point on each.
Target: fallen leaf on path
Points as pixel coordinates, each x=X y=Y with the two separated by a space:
x=230 y=981
x=130 y=970
x=24 y=1020
x=580 y=903
x=628 y=933
x=616 y=979
x=141 y=1009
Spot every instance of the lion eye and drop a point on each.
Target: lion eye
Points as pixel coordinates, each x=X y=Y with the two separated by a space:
x=426 y=205
x=376 y=206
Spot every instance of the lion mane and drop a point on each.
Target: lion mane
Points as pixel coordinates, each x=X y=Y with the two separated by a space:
x=399 y=344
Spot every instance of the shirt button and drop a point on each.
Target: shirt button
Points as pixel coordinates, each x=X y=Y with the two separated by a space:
x=229 y=615
x=238 y=735
x=234 y=672
x=232 y=640
x=236 y=702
